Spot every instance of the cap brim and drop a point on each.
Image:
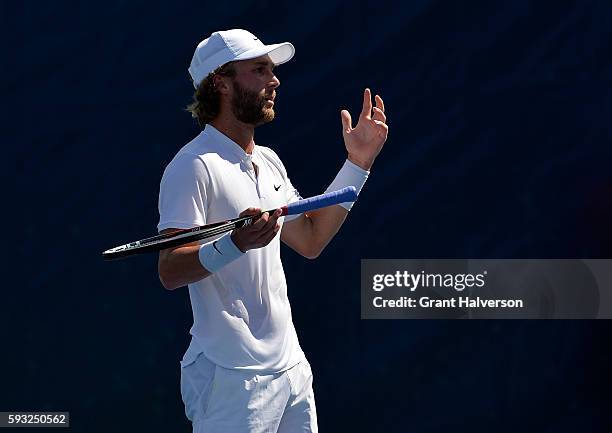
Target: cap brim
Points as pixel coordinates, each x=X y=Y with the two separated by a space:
x=279 y=53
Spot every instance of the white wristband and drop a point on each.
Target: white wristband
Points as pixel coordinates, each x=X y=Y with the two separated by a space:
x=349 y=175
x=214 y=255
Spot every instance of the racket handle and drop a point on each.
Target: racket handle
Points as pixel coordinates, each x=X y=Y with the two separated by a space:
x=343 y=195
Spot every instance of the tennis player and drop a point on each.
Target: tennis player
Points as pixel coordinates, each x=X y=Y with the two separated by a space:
x=244 y=370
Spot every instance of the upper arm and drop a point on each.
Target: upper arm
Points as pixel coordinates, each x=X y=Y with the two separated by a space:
x=182 y=194
x=182 y=204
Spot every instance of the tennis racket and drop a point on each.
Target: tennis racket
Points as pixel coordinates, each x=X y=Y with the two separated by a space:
x=185 y=236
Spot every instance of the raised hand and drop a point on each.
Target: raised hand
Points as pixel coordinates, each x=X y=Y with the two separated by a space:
x=365 y=141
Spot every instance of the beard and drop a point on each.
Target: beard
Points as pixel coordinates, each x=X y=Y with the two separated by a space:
x=250 y=107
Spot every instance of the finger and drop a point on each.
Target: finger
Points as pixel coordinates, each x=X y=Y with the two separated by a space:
x=264 y=234
x=260 y=222
x=272 y=220
x=379 y=115
x=267 y=236
x=379 y=103
x=366 y=111
x=266 y=219
x=250 y=211
x=346 y=121
x=383 y=127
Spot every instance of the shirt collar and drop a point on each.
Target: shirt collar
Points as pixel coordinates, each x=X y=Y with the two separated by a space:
x=227 y=143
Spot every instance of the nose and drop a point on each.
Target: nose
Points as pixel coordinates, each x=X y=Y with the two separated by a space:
x=274 y=82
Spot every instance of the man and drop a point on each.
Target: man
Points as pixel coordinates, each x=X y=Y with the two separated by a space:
x=244 y=370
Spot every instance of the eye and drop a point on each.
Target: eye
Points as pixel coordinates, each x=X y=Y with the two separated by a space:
x=260 y=69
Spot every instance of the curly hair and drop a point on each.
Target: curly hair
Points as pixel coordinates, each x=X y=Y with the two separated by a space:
x=206 y=102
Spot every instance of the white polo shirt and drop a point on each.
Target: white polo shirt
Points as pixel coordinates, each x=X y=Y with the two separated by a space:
x=241 y=313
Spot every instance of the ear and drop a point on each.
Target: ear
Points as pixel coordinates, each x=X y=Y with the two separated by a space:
x=221 y=84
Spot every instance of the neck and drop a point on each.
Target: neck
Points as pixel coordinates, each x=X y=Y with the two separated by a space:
x=240 y=133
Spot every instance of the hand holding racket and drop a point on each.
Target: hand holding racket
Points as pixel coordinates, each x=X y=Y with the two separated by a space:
x=260 y=232
x=185 y=236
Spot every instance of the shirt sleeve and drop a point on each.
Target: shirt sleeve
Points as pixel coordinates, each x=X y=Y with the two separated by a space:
x=182 y=193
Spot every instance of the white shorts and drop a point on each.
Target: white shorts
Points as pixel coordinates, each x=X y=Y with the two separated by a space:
x=220 y=400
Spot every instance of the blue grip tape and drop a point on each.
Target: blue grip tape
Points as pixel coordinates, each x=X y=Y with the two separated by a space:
x=343 y=195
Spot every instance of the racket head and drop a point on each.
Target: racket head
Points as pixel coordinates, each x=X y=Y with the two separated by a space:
x=167 y=240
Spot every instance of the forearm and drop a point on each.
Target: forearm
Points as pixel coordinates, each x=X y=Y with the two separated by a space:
x=180 y=266
x=325 y=223
x=310 y=233
x=192 y=262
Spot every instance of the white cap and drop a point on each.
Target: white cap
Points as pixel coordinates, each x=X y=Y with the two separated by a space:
x=229 y=45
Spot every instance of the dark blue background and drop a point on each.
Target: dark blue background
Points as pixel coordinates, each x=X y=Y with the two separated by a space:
x=499 y=147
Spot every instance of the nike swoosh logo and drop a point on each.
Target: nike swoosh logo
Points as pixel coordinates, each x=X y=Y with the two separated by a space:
x=215 y=247
x=277 y=187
